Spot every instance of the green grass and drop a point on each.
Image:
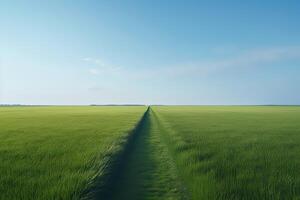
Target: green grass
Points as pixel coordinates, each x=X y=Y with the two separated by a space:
x=59 y=152
x=234 y=152
x=175 y=152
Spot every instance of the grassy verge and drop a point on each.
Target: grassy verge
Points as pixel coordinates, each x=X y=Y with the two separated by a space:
x=103 y=186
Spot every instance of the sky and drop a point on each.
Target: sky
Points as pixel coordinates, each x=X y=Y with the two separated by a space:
x=149 y=52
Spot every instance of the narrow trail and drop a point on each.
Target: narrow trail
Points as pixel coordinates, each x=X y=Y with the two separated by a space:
x=149 y=172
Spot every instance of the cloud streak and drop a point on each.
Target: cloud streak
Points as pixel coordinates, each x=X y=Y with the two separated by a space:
x=94 y=71
x=250 y=58
x=245 y=59
x=100 y=67
x=260 y=56
x=135 y=78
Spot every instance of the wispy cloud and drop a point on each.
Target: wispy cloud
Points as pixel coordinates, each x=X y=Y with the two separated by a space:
x=248 y=58
x=94 y=71
x=252 y=58
x=100 y=66
x=260 y=56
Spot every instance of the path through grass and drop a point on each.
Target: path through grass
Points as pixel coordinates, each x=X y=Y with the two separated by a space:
x=176 y=152
x=149 y=172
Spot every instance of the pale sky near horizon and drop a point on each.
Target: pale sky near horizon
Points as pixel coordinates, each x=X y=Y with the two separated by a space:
x=149 y=52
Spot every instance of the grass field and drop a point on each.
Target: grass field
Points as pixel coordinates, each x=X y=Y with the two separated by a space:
x=173 y=152
x=235 y=152
x=58 y=152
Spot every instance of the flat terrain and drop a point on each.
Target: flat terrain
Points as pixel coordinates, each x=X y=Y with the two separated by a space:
x=235 y=152
x=58 y=152
x=166 y=152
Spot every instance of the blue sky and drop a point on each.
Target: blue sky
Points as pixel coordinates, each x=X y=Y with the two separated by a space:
x=150 y=52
